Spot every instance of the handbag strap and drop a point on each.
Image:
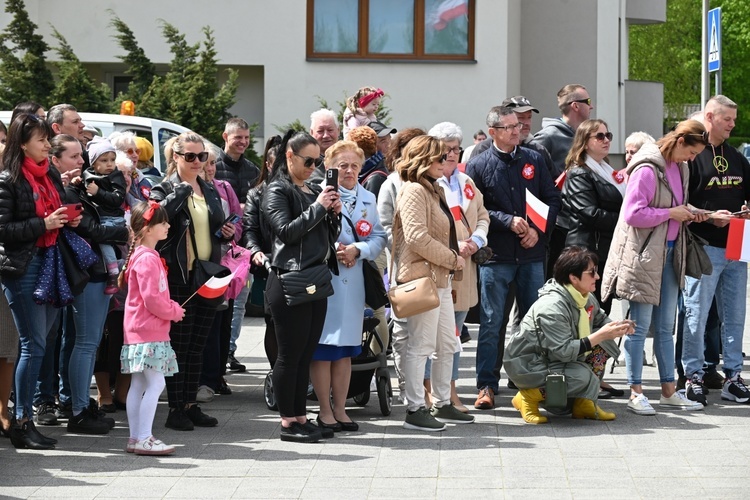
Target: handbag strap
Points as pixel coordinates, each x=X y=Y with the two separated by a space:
x=542 y=352
x=356 y=237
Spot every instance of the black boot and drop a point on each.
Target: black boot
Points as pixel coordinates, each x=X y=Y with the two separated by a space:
x=21 y=437
x=39 y=436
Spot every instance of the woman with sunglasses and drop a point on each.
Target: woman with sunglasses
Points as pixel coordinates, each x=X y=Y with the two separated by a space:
x=31 y=216
x=305 y=222
x=196 y=232
x=646 y=262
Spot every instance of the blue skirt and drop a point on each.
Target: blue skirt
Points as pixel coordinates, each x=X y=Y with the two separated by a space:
x=326 y=352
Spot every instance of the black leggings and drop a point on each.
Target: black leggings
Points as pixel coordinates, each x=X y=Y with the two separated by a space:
x=298 y=330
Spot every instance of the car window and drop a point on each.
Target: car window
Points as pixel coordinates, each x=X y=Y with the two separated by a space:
x=164 y=135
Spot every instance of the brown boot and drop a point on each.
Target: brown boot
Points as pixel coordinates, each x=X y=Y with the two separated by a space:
x=527 y=402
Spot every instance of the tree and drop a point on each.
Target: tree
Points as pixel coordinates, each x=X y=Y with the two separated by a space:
x=24 y=75
x=74 y=85
x=140 y=66
x=671 y=53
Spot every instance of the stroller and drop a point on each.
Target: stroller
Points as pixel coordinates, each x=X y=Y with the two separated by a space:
x=364 y=367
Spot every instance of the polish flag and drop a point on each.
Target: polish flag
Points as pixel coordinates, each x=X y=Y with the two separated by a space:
x=448 y=11
x=215 y=287
x=451 y=199
x=537 y=211
x=738 y=241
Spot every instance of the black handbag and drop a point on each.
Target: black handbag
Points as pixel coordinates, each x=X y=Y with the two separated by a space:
x=77 y=278
x=376 y=295
x=204 y=270
x=306 y=285
x=697 y=262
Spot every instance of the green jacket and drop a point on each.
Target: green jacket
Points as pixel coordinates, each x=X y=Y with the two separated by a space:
x=556 y=315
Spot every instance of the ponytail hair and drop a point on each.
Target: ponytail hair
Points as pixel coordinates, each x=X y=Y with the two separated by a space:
x=292 y=141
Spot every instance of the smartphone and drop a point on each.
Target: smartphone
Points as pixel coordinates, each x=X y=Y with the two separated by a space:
x=232 y=219
x=741 y=212
x=73 y=210
x=332 y=177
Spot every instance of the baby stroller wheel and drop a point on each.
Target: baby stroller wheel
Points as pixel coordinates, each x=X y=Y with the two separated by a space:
x=363 y=398
x=385 y=395
x=268 y=394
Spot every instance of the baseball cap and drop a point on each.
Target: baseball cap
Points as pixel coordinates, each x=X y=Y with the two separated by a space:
x=519 y=104
x=381 y=129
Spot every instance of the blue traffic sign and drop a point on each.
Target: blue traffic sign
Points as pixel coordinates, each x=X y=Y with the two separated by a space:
x=714 y=39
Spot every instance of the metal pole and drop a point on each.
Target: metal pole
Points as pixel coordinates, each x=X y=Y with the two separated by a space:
x=717 y=83
x=705 y=82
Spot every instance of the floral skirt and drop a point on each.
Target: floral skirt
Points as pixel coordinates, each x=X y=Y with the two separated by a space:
x=157 y=356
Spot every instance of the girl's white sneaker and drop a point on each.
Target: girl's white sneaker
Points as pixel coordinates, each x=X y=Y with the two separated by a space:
x=152 y=446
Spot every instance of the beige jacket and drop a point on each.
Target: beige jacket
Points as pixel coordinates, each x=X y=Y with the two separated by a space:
x=636 y=258
x=421 y=235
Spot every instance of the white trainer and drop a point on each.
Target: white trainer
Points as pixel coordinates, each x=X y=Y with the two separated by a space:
x=640 y=406
x=678 y=401
x=152 y=446
x=205 y=394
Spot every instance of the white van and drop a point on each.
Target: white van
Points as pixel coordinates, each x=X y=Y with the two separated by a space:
x=156 y=131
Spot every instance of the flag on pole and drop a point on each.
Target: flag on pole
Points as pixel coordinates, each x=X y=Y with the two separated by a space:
x=537 y=211
x=738 y=241
x=215 y=287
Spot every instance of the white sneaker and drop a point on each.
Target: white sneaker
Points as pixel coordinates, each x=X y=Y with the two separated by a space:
x=640 y=406
x=152 y=446
x=205 y=394
x=678 y=401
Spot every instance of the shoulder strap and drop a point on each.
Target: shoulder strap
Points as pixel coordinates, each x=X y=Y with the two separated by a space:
x=379 y=172
x=356 y=236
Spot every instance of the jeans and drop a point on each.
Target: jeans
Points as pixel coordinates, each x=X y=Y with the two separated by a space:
x=494 y=282
x=34 y=323
x=238 y=313
x=67 y=343
x=45 y=391
x=729 y=283
x=460 y=319
x=663 y=317
x=713 y=338
x=108 y=251
x=90 y=309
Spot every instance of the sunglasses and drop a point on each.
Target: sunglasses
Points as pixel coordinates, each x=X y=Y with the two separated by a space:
x=592 y=272
x=583 y=101
x=309 y=161
x=703 y=137
x=191 y=157
x=136 y=151
x=601 y=136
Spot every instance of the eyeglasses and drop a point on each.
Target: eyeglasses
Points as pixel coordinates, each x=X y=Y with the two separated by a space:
x=593 y=272
x=601 y=136
x=191 y=157
x=583 y=101
x=137 y=151
x=455 y=150
x=517 y=126
x=309 y=161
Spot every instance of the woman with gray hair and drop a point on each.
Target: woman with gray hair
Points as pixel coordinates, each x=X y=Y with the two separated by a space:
x=634 y=142
x=472 y=224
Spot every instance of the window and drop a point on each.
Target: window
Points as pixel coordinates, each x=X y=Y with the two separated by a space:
x=391 y=29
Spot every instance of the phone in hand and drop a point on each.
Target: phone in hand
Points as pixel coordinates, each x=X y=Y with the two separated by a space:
x=741 y=212
x=73 y=210
x=232 y=219
x=332 y=177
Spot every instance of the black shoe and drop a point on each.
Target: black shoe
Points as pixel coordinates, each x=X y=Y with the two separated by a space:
x=223 y=389
x=108 y=408
x=681 y=382
x=178 y=421
x=465 y=337
x=695 y=391
x=511 y=385
x=99 y=414
x=713 y=380
x=348 y=426
x=86 y=423
x=64 y=412
x=322 y=425
x=120 y=406
x=299 y=434
x=39 y=436
x=199 y=418
x=325 y=432
x=21 y=437
x=618 y=393
x=233 y=364
x=45 y=414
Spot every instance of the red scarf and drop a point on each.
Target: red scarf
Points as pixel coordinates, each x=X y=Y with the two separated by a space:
x=46 y=197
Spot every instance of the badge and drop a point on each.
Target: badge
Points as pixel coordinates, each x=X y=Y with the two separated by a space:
x=469 y=192
x=589 y=311
x=528 y=171
x=363 y=227
x=618 y=176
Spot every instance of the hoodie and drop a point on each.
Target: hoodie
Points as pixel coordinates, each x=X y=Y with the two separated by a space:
x=557 y=137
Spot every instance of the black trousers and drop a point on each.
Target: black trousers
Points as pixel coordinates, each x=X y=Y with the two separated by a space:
x=298 y=330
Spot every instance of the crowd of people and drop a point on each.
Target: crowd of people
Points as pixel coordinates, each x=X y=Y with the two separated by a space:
x=105 y=273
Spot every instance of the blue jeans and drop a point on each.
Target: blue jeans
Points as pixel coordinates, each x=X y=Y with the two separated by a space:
x=663 y=317
x=67 y=342
x=45 y=391
x=90 y=309
x=712 y=352
x=34 y=323
x=729 y=283
x=108 y=251
x=238 y=313
x=494 y=281
x=460 y=319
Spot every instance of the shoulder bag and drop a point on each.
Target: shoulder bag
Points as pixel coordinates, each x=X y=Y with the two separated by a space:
x=306 y=285
x=375 y=294
x=204 y=270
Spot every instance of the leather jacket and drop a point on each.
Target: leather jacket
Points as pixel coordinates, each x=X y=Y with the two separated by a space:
x=304 y=232
x=173 y=196
x=256 y=233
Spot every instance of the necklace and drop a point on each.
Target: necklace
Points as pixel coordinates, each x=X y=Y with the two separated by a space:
x=720 y=163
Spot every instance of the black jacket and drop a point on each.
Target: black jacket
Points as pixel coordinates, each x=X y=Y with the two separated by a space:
x=593 y=206
x=20 y=227
x=241 y=175
x=111 y=194
x=304 y=233
x=174 y=197
x=374 y=178
x=256 y=233
x=503 y=182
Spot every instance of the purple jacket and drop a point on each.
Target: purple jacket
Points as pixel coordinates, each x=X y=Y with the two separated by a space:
x=227 y=194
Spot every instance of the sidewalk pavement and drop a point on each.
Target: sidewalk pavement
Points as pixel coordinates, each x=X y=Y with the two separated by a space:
x=671 y=455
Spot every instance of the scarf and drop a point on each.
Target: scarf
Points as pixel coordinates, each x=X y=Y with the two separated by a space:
x=606 y=172
x=46 y=197
x=584 y=327
x=348 y=198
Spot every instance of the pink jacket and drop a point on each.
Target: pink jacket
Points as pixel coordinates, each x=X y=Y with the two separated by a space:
x=148 y=309
x=227 y=193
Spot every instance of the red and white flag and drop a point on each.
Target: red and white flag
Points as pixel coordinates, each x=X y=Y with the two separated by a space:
x=537 y=211
x=448 y=11
x=738 y=241
x=215 y=287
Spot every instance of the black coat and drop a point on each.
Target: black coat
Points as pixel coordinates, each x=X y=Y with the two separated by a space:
x=256 y=233
x=593 y=206
x=241 y=175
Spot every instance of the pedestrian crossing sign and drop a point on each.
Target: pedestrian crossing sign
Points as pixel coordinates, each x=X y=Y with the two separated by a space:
x=714 y=39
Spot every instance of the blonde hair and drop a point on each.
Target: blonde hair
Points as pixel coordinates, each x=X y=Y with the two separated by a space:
x=418 y=156
x=343 y=147
x=177 y=145
x=352 y=103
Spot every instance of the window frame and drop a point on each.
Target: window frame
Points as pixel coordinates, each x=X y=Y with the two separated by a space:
x=362 y=53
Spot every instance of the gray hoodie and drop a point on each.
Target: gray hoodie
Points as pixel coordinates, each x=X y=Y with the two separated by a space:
x=557 y=137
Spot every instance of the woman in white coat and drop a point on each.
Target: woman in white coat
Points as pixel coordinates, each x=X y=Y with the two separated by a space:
x=341 y=340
